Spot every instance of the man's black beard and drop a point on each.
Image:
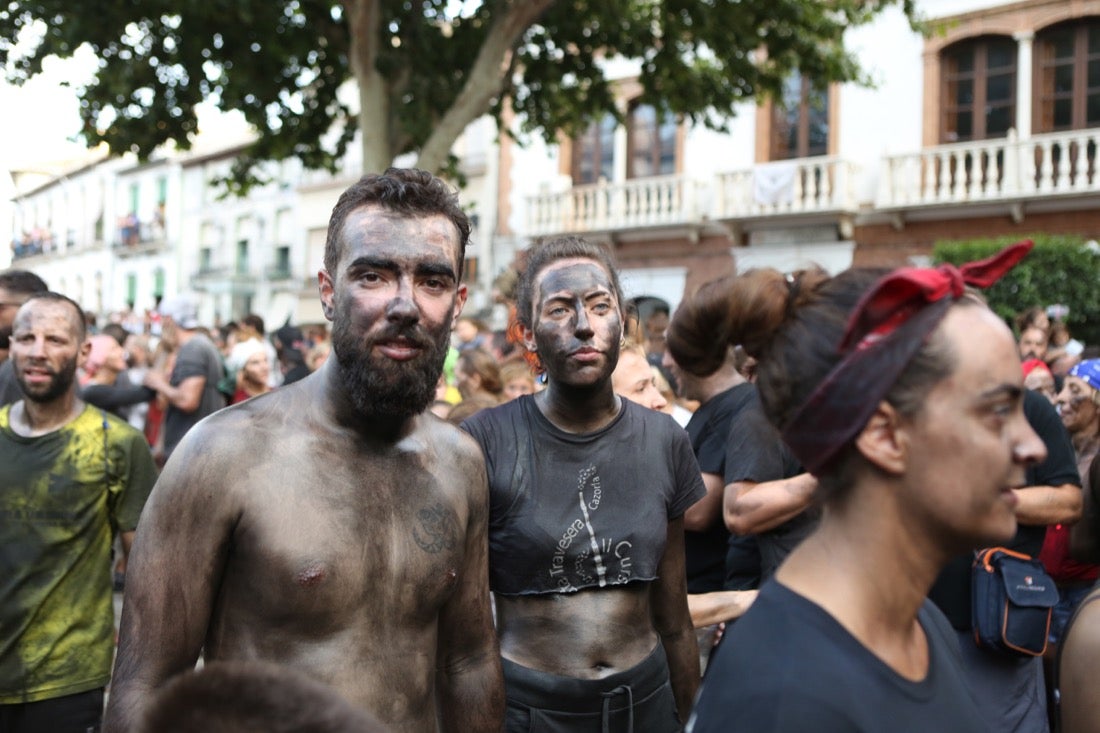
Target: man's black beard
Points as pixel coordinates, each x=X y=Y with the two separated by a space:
x=62 y=381
x=387 y=388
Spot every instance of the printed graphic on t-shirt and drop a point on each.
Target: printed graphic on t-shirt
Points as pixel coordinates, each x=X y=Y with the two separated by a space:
x=582 y=558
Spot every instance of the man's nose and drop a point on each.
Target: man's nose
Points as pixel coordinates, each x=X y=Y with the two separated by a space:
x=38 y=348
x=402 y=307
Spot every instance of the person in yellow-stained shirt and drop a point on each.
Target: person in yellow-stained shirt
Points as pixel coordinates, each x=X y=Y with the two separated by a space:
x=73 y=477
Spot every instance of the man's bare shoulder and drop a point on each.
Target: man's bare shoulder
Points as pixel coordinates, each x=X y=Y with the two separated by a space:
x=276 y=412
x=452 y=445
x=451 y=437
x=247 y=434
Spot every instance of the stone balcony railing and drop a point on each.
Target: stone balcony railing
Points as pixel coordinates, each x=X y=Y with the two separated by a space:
x=224 y=280
x=819 y=185
x=1005 y=170
x=660 y=201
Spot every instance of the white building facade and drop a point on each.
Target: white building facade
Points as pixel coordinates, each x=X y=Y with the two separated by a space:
x=987 y=127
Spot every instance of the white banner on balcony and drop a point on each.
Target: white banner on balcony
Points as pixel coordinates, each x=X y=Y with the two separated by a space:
x=773 y=183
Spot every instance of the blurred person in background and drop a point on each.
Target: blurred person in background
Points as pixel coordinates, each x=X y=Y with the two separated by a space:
x=1037 y=378
x=15 y=287
x=191 y=390
x=105 y=384
x=478 y=374
x=318 y=354
x=709 y=603
x=252 y=373
x=517 y=379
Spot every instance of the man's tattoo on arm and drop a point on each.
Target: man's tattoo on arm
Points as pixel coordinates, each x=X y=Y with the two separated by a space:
x=437 y=530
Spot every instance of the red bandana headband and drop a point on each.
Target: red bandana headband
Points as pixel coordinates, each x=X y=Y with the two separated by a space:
x=887 y=328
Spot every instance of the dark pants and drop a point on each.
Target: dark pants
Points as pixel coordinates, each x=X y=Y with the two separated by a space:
x=639 y=699
x=79 y=713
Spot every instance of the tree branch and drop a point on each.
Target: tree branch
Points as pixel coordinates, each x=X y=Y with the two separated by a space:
x=486 y=79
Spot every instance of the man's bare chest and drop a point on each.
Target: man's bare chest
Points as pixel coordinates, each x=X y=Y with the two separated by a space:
x=319 y=543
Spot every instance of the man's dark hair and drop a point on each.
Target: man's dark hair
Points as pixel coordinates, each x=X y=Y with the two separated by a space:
x=23 y=282
x=82 y=328
x=116 y=331
x=404 y=191
x=255 y=322
x=550 y=251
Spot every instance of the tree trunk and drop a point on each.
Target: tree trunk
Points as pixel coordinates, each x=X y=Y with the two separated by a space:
x=374 y=103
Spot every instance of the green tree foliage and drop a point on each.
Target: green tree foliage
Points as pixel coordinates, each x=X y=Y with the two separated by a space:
x=1060 y=269
x=425 y=69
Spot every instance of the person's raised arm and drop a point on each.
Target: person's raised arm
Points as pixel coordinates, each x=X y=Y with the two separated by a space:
x=185 y=397
x=751 y=507
x=719 y=606
x=110 y=396
x=702 y=514
x=174 y=570
x=469 y=679
x=671 y=619
x=1048 y=504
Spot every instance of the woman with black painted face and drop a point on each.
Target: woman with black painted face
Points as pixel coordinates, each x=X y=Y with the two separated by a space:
x=586 y=542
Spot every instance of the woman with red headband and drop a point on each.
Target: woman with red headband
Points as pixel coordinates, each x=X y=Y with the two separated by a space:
x=903 y=397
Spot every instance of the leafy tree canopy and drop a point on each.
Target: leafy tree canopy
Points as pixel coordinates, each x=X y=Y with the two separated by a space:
x=1061 y=269
x=425 y=69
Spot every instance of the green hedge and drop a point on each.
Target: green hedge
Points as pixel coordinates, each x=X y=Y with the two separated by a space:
x=1060 y=269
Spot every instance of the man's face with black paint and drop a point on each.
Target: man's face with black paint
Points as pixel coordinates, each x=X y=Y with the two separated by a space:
x=392 y=301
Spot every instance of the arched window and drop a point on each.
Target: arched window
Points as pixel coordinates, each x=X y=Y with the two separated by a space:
x=1067 y=76
x=979 y=89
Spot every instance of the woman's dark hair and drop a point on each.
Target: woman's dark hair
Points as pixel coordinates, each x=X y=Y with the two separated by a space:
x=405 y=191
x=546 y=253
x=484 y=365
x=792 y=325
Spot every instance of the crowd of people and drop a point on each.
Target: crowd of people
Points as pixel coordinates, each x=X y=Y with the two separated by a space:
x=755 y=513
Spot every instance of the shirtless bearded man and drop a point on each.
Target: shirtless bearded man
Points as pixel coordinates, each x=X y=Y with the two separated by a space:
x=332 y=525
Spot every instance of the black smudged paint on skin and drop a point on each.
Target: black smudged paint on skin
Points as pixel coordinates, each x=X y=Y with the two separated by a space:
x=579 y=286
x=437 y=530
x=579 y=279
